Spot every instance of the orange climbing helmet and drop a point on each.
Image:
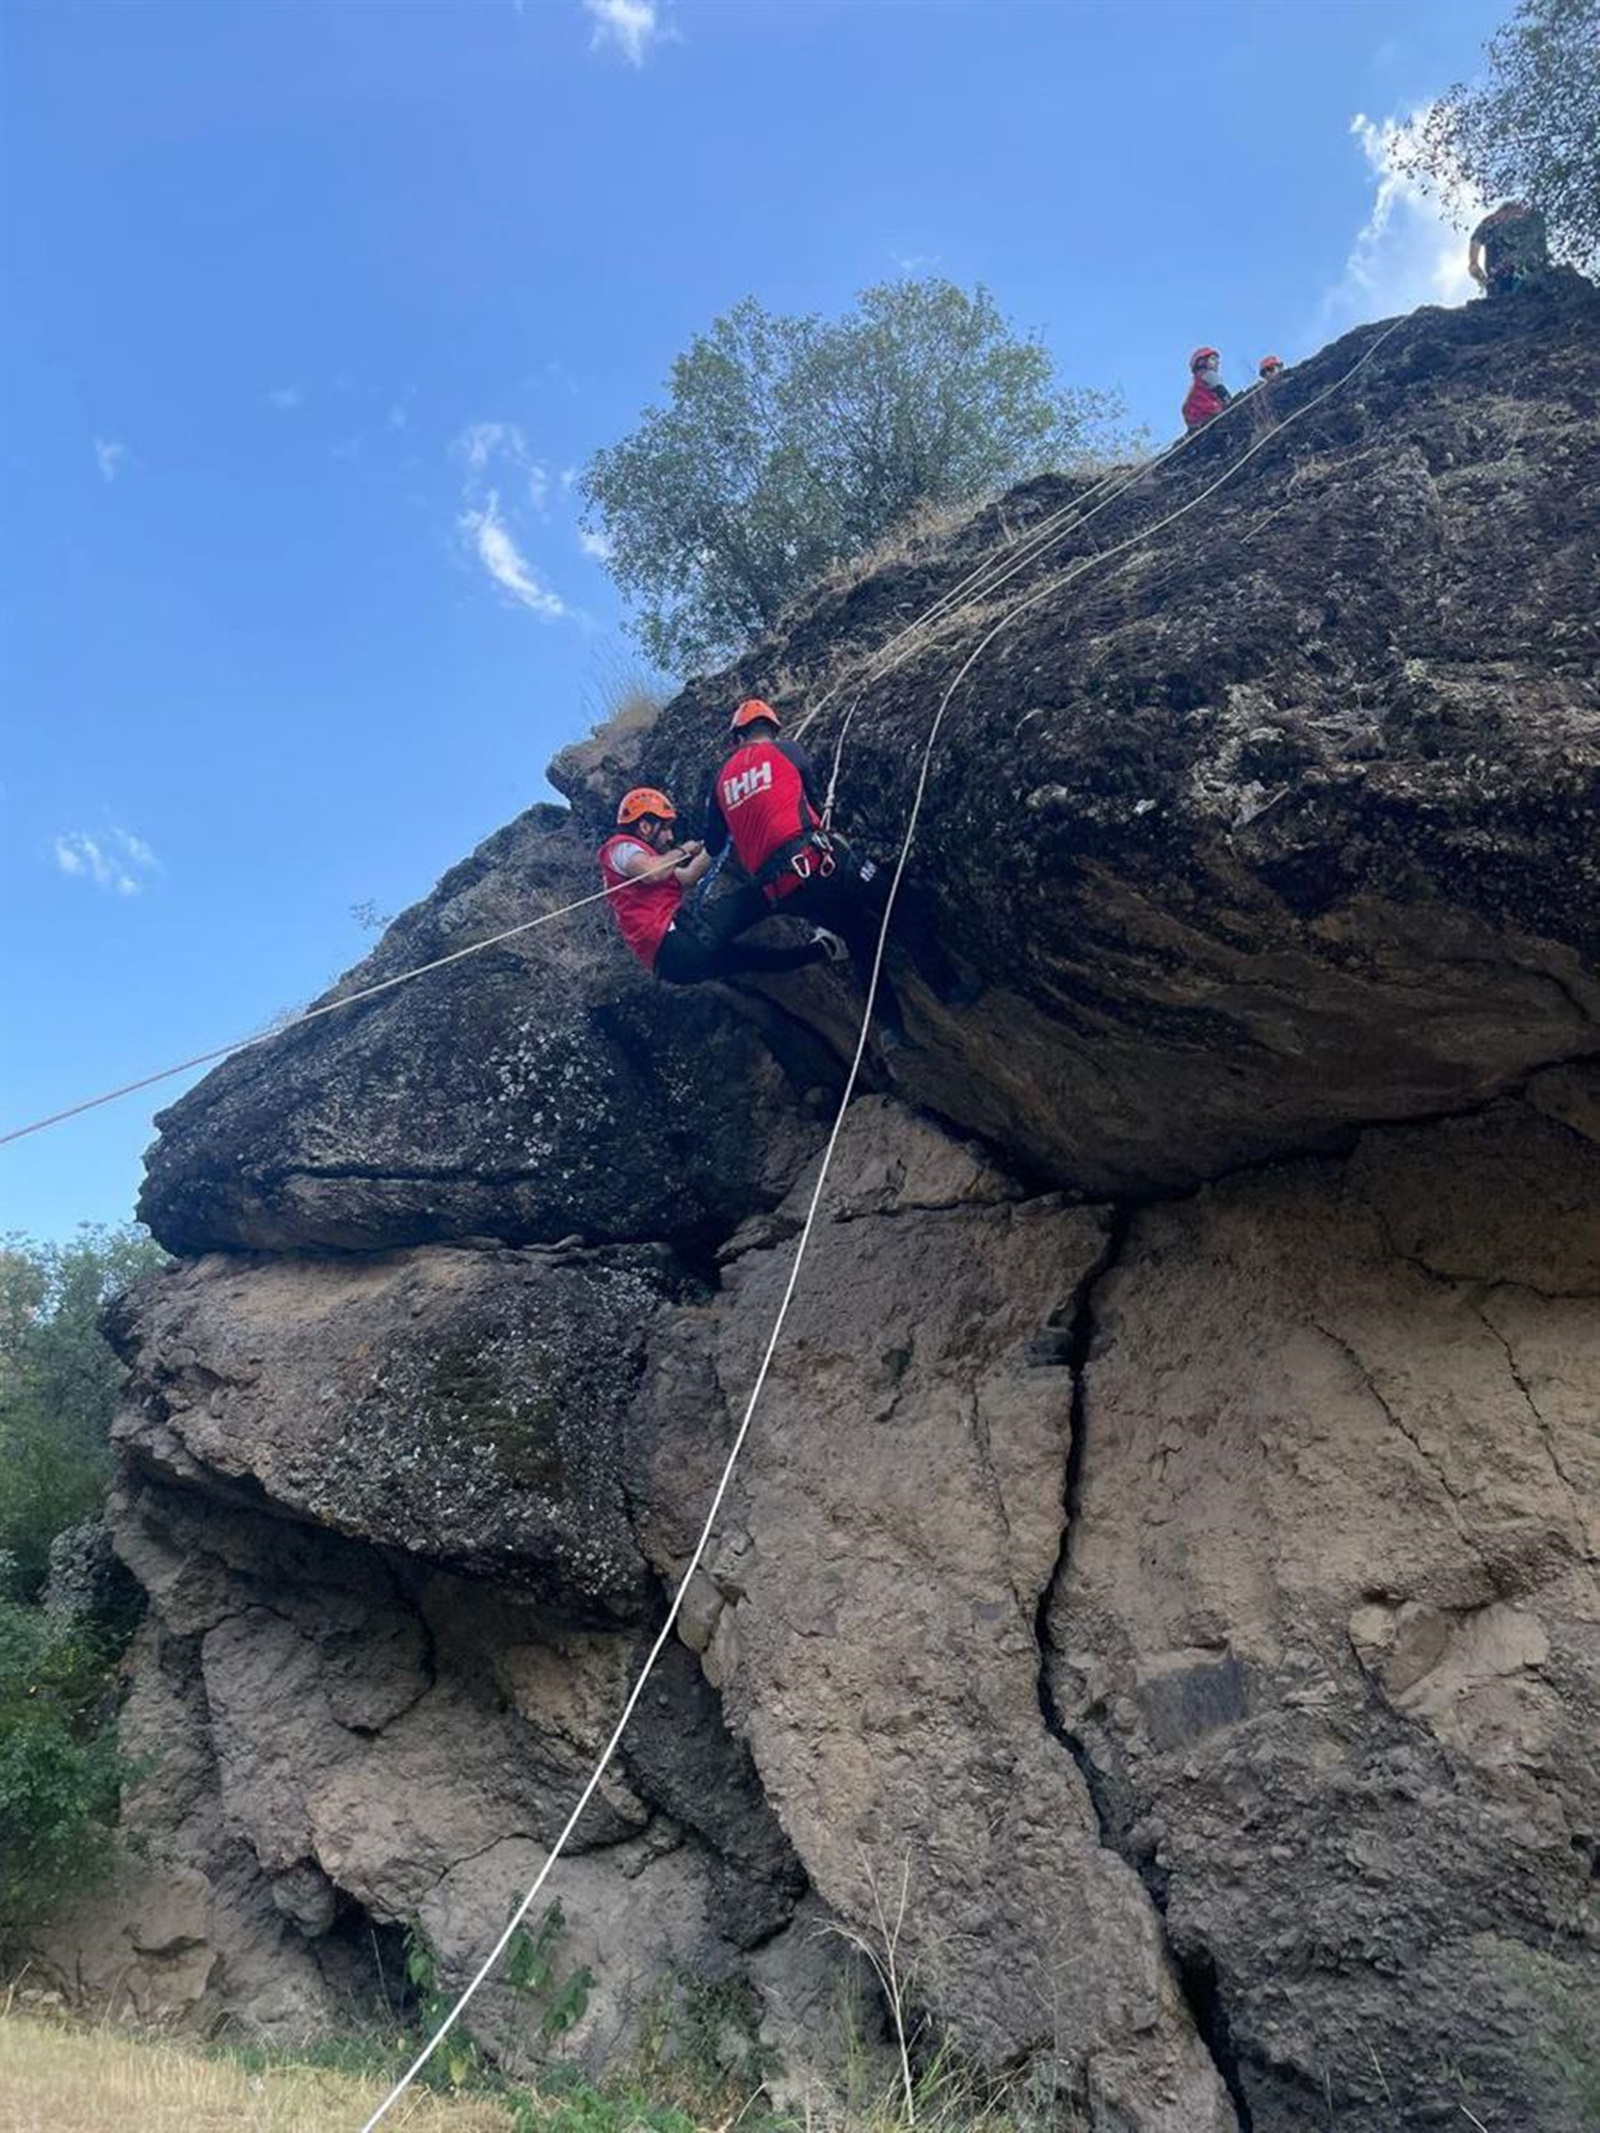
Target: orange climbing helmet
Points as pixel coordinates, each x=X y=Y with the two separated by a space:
x=1270 y=366
x=749 y=711
x=1204 y=355
x=644 y=800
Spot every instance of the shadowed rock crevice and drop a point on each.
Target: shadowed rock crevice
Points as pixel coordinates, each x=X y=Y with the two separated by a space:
x=1193 y=1966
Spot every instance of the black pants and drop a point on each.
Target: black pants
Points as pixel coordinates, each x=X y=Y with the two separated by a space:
x=707 y=946
x=850 y=902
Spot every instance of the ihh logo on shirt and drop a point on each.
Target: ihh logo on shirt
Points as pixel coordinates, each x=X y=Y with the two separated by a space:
x=735 y=791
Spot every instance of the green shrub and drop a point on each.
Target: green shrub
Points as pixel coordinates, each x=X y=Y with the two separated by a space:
x=58 y=1386
x=60 y=1770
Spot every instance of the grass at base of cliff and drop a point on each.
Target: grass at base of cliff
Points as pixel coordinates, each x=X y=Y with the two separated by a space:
x=61 y=2076
x=56 y=2078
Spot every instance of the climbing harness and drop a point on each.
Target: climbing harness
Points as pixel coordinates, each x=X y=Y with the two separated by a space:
x=802 y=1244
x=813 y=852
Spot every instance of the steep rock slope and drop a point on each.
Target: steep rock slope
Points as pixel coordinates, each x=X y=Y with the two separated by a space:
x=1167 y=1544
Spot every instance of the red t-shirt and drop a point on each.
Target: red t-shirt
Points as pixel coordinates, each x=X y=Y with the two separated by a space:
x=761 y=795
x=1201 y=403
x=645 y=909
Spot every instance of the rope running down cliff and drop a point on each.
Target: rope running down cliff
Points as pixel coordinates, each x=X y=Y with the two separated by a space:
x=987 y=578
x=801 y=1245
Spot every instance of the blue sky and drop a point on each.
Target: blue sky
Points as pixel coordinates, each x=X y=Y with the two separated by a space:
x=313 y=309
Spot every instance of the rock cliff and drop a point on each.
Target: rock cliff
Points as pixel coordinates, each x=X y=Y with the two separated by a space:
x=1167 y=1547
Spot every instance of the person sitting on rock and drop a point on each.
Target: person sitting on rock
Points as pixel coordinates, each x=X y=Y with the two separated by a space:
x=648 y=874
x=1508 y=248
x=1207 y=395
x=765 y=803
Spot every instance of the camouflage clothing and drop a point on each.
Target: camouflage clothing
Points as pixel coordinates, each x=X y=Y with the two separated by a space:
x=1514 y=250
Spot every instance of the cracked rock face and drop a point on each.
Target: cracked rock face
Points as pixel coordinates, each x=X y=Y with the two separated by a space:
x=1165 y=1548
x=1329 y=1630
x=872 y=1597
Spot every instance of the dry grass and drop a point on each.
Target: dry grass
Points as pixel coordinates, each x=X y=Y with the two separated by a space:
x=58 y=2079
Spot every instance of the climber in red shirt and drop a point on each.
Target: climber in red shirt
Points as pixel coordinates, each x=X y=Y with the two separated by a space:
x=648 y=873
x=1207 y=395
x=765 y=802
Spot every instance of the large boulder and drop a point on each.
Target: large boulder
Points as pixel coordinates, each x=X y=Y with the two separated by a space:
x=540 y=1090
x=1262 y=821
x=1165 y=1548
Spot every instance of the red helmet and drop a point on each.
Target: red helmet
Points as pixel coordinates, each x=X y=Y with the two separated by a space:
x=1270 y=366
x=749 y=711
x=1204 y=355
x=644 y=800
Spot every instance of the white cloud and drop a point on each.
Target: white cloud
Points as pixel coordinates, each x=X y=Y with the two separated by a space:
x=500 y=556
x=597 y=546
x=109 y=457
x=499 y=450
x=112 y=859
x=1412 y=248
x=286 y=398
x=630 y=27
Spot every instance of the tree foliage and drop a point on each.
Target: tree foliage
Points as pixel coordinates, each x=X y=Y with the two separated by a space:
x=1530 y=129
x=789 y=444
x=58 y=1385
x=60 y=1769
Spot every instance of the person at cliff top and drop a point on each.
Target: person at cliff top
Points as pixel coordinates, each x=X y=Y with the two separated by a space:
x=1207 y=395
x=765 y=803
x=648 y=874
x=1508 y=248
x=1269 y=368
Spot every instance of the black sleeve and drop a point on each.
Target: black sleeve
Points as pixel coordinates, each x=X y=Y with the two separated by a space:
x=715 y=839
x=807 y=769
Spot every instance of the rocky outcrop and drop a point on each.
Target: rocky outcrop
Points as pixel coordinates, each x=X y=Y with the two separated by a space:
x=540 y=1092
x=1327 y=1627
x=1165 y=1554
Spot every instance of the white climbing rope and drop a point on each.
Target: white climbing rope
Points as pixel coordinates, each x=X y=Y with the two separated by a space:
x=803 y=1241
x=986 y=579
x=990 y=575
x=726 y=1476
x=327 y=1007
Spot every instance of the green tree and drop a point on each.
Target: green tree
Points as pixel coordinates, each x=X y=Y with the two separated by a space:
x=60 y=1771
x=789 y=444
x=1530 y=128
x=58 y=1385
